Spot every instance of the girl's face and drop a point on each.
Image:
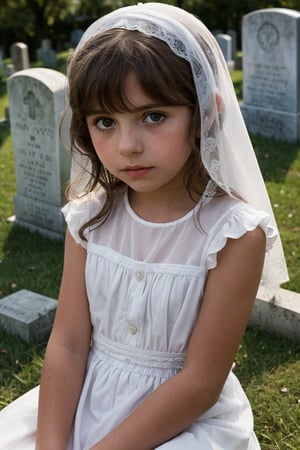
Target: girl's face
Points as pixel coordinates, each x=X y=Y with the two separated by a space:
x=146 y=147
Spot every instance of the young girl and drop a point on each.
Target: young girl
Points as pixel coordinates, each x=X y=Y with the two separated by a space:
x=168 y=224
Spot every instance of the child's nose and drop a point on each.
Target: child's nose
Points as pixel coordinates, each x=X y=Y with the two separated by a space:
x=129 y=141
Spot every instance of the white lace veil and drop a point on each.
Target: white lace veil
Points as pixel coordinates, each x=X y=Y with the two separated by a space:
x=226 y=150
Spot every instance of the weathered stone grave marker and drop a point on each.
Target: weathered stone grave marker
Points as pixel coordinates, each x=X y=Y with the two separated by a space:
x=19 y=55
x=225 y=43
x=10 y=69
x=75 y=37
x=233 y=35
x=46 y=54
x=42 y=164
x=271 y=89
x=28 y=315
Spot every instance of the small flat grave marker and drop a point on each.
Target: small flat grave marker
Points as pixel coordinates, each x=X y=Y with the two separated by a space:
x=28 y=315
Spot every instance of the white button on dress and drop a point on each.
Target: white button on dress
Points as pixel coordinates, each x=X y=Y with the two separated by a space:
x=133 y=329
x=139 y=275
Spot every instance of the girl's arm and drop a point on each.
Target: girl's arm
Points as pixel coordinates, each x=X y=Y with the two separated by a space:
x=227 y=302
x=66 y=354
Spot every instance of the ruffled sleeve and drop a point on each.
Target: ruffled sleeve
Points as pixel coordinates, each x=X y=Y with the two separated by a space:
x=79 y=211
x=234 y=224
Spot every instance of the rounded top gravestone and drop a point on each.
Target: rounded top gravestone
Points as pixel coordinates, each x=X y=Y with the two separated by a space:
x=271 y=54
x=36 y=103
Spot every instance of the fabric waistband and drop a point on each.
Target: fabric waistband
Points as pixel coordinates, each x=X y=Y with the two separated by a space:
x=132 y=355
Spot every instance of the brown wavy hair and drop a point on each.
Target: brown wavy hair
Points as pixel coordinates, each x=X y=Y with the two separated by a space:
x=96 y=74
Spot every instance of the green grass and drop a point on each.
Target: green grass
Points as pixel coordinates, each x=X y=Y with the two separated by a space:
x=3 y=95
x=280 y=165
x=267 y=366
x=20 y=367
x=237 y=79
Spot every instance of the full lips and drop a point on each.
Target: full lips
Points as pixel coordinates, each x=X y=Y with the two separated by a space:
x=137 y=171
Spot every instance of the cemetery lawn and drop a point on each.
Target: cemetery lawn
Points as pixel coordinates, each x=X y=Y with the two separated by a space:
x=267 y=366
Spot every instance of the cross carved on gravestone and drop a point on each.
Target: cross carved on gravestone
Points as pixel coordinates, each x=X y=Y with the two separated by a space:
x=32 y=102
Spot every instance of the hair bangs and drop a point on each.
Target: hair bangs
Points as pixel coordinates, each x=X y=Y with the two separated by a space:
x=104 y=88
x=105 y=76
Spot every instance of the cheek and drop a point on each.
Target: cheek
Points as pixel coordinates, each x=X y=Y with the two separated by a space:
x=93 y=137
x=105 y=156
x=103 y=148
x=101 y=155
x=97 y=144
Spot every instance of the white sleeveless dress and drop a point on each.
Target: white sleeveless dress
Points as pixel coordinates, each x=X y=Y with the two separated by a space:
x=145 y=282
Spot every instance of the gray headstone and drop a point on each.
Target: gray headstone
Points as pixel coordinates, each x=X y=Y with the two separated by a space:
x=75 y=37
x=47 y=57
x=271 y=89
x=233 y=35
x=42 y=164
x=28 y=315
x=217 y=31
x=46 y=54
x=225 y=43
x=10 y=69
x=19 y=56
x=46 y=44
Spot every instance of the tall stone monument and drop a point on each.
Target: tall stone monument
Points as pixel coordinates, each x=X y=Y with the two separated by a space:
x=271 y=89
x=42 y=164
x=20 y=56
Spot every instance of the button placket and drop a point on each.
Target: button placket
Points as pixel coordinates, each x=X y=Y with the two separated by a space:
x=139 y=276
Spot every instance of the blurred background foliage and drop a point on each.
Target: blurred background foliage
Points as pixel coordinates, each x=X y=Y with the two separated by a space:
x=30 y=21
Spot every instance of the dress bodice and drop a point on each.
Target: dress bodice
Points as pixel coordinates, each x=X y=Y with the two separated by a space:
x=145 y=280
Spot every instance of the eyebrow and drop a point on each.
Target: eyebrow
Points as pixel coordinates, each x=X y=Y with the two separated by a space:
x=134 y=109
